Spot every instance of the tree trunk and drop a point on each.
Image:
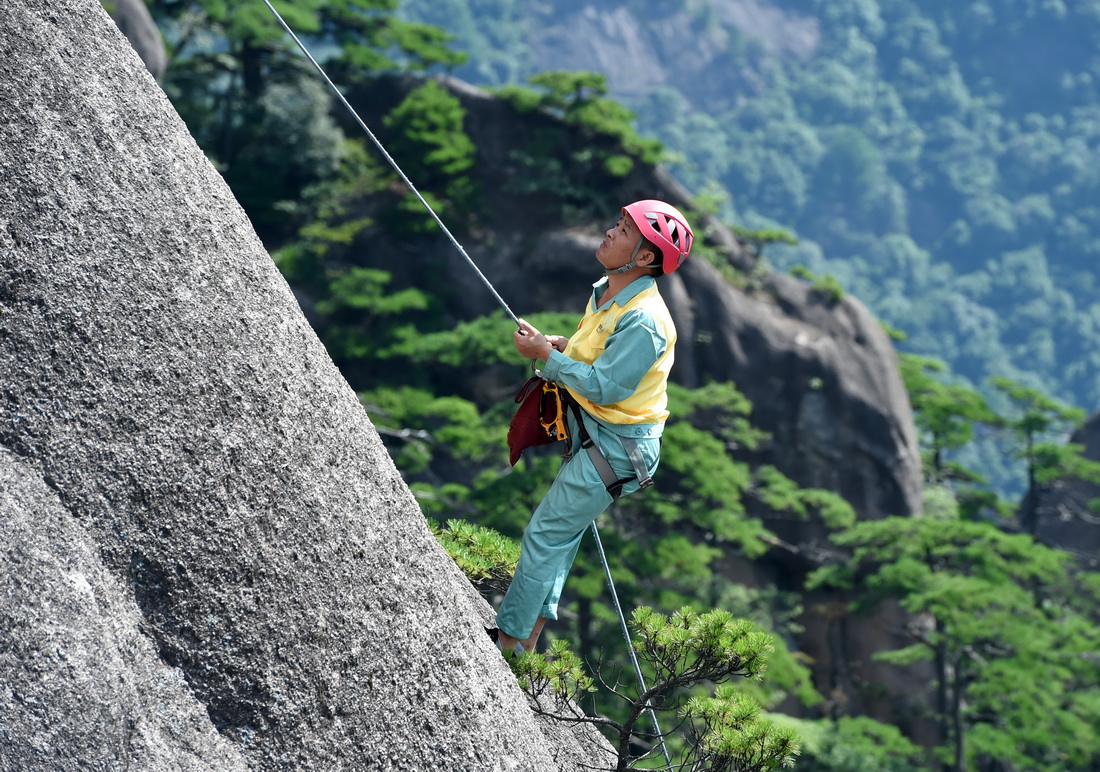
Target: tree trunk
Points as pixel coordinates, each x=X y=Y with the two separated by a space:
x=957 y=715
x=943 y=708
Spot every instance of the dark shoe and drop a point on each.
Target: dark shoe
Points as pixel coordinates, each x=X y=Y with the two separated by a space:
x=494 y=635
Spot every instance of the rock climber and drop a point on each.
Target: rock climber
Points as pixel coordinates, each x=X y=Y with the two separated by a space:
x=615 y=367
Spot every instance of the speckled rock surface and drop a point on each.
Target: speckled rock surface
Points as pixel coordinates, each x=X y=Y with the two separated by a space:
x=208 y=560
x=82 y=681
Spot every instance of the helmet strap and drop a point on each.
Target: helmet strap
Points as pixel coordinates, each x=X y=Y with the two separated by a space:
x=631 y=264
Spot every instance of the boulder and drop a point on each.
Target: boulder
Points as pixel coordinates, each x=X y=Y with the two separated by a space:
x=208 y=559
x=1059 y=515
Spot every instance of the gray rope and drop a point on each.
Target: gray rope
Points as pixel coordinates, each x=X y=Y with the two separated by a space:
x=630 y=646
x=393 y=163
x=507 y=310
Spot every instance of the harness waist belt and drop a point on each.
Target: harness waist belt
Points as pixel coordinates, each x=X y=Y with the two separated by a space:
x=613 y=484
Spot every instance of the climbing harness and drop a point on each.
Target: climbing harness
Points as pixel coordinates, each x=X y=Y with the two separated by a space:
x=514 y=318
x=611 y=481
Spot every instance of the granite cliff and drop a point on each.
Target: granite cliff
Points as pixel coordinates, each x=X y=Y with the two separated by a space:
x=208 y=559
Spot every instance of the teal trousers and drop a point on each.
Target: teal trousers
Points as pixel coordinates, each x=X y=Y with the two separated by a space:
x=550 y=542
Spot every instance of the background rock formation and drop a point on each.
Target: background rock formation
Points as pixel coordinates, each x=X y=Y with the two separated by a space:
x=208 y=559
x=135 y=22
x=821 y=372
x=1060 y=515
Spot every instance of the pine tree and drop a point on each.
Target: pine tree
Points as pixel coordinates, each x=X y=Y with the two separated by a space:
x=1011 y=634
x=1040 y=424
x=254 y=103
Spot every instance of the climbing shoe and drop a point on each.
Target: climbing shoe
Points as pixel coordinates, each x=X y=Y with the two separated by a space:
x=494 y=636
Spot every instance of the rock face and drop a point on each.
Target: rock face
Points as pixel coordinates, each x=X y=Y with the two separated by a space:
x=1059 y=515
x=629 y=45
x=208 y=560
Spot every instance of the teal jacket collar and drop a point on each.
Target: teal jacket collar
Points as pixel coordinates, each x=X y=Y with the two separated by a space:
x=640 y=284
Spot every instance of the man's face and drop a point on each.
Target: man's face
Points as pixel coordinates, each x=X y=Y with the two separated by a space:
x=619 y=241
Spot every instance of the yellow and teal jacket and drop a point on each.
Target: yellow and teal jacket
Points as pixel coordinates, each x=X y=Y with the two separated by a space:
x=617 y=363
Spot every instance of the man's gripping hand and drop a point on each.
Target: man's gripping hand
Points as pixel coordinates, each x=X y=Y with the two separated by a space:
x=532 y=344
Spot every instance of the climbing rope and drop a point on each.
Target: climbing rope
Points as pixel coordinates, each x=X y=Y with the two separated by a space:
x=507 y=310
x=393 y=163
x=630 y=646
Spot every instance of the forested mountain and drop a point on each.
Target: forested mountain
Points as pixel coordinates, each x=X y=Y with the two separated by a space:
x=939 y=158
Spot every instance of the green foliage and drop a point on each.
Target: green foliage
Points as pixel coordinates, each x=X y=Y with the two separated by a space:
x=428 y=426
x=432 y=148
x=710 y=201
x=1039 y=423
x=682 y=651
x=258 y=111
x=368 y=32
x=1036 y=413
x=945 y=415
x=578 y=170
x=486 y=340
x=782 y=494
x=759 y=238
x=856 y=744
x=558 y=674
x=827 y=287
x=486 y=557
x=709 y=487
x=1003 y=618
x=722 y=260
x=734 y=737
x=579 y=98
x=356 y=299
x=688 y=646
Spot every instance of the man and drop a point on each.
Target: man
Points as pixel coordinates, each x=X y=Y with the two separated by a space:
x=616 y=368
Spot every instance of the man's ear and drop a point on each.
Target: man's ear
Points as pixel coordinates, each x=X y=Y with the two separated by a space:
x=646 y=258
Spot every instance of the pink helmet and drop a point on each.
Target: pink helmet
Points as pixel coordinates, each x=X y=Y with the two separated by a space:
x=663 y=224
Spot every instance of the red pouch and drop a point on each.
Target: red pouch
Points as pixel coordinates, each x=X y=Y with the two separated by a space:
x=527 y=428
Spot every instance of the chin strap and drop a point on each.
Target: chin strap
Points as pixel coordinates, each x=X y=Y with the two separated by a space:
x=631 y=264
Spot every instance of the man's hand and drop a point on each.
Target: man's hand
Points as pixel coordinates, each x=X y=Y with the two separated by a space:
x=559 y=342
x=531 y=343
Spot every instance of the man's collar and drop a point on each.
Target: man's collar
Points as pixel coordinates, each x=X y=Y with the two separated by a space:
x=624 y=295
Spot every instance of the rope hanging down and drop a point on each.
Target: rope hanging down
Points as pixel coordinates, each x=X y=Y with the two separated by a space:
x=393 y=163
x=507 y=310
x=630 y=647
